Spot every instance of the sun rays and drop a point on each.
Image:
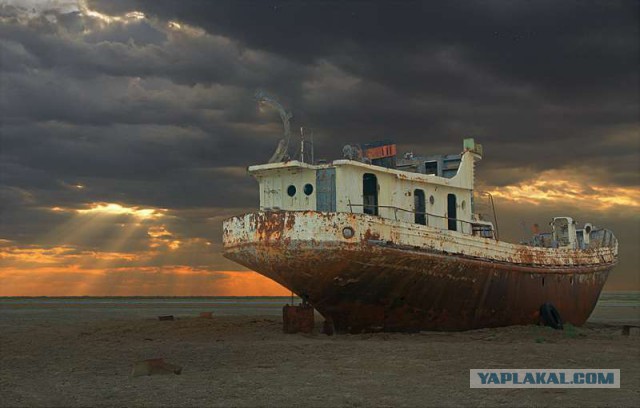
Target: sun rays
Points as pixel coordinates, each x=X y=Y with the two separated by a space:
x=118 y=209
x=117 y=249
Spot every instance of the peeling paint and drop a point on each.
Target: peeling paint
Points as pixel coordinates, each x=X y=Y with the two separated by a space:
x=397 y=276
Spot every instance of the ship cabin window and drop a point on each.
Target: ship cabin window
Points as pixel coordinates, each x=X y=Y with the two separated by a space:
x=431 y=167
x=291 y=190
x=452 y=212
x=420 y=207
x=370 y=194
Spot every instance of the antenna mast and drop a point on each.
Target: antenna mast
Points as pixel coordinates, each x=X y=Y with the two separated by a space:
x=313 y=159
x=301 y=144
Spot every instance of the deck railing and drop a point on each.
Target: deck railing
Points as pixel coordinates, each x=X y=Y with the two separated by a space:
x=426 y=215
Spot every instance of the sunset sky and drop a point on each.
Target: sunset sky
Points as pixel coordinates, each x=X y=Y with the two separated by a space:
x=126 y=126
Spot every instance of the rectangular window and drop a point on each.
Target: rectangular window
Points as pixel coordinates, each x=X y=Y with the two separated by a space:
x=431 y=167
x=370 y=193
x=420 y=207
x=452 y=213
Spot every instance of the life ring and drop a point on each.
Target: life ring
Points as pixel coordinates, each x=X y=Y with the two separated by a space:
x=550 y=316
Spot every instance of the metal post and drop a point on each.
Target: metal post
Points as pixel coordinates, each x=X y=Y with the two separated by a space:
x=301 y=144
x=495 y=217
x=313 y=159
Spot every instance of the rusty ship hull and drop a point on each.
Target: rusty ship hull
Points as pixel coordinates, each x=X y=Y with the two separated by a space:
x=396 y=276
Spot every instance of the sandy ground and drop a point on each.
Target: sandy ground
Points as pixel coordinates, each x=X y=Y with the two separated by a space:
x=248 y=361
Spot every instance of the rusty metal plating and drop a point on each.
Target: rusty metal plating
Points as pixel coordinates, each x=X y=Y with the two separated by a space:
x=399 y=276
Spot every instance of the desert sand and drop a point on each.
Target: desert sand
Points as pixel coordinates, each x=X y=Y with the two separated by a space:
x=248 y=361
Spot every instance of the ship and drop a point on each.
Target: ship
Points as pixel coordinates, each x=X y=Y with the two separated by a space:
x=375 y=242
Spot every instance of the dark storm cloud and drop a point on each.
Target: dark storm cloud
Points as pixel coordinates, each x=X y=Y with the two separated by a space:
x=146 y=114
x=142 y=48
x=559 y=46
x=508 y=72
x=143 y=165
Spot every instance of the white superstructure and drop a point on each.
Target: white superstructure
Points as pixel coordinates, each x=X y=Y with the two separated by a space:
x=355 y=187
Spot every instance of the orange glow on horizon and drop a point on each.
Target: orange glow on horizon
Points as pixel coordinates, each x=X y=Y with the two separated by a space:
x=566 y=187
x=147 y=252
x=161 y=236
x=144 y=281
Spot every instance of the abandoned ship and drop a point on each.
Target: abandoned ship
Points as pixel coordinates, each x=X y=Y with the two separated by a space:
x=379 y=243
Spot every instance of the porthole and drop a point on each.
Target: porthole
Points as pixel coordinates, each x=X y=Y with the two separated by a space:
x=308 y=189
x=431 y=200
x=291 y=190
x=348 y=232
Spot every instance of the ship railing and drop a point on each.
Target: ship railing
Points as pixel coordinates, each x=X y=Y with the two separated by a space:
x=460 y=224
